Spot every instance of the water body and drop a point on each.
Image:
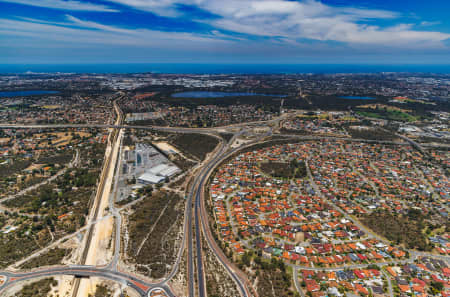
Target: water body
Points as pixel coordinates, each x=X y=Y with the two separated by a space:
x=357 y=97
x=219 y=68
x=208 y=94
x=26 y=93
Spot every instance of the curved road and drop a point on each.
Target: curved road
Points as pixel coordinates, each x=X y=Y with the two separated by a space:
x=141 y=286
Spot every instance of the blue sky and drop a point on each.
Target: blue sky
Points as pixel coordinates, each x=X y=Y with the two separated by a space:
x=225 y=31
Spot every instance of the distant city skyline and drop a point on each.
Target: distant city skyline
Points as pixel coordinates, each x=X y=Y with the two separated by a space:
x=217 y=31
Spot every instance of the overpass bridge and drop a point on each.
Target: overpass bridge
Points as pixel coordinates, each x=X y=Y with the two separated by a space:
x=85 y=271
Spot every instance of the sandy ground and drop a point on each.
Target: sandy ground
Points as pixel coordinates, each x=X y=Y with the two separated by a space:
x=164 y=146
x=104 y=245
x=98 y=253
x=261 y=130
x=4 y=140
x=116 y=288
x=54 y=106
x=72 y=244
x=130 y=292
x=87 y=286
x=34 y=167
x=64 y=287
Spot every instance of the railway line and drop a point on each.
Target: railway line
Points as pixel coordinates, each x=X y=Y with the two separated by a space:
x=112 y=143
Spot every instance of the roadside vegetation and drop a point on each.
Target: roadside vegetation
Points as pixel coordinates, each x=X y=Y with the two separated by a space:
x=153 y=232
x=39 y=288
x=102 y=291
x=271 y=276
x=183 y=163
x=218 y=281
x=226 y=136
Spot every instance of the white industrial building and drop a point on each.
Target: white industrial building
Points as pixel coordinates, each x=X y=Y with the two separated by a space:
x=148 y=164
x=150 y=179
x=164 y=170
x=158 y=174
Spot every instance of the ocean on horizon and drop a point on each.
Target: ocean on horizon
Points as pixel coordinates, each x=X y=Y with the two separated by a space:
x=181 y=68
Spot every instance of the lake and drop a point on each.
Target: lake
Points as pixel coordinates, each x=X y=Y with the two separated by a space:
x=357 y=97
x=26 y=93
x=208 y=94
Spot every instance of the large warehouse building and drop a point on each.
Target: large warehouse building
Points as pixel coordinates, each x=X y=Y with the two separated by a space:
x=150 y=165
x=158 y=174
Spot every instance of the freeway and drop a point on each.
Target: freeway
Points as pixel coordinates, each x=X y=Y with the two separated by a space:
x=217 y=251
x=188 y=226
x=200 y=272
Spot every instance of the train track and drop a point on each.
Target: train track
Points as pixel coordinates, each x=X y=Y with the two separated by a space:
x=100 y=190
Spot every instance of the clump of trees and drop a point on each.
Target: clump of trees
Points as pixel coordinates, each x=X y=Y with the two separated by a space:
x=293 y=169
x=197 y=145
x=374 y=133
x=273 y=277
x=403 y=229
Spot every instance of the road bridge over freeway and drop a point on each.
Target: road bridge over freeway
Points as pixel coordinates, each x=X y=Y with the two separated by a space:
x=141 y=286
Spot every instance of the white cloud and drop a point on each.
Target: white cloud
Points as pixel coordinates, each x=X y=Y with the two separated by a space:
x=427 y=23
x=161 y=7
x=64 y=5
x=76 y=31
x=294 y=20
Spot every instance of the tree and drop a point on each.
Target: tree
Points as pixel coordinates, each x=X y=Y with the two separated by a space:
x=438 y=286
x=246 y=259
